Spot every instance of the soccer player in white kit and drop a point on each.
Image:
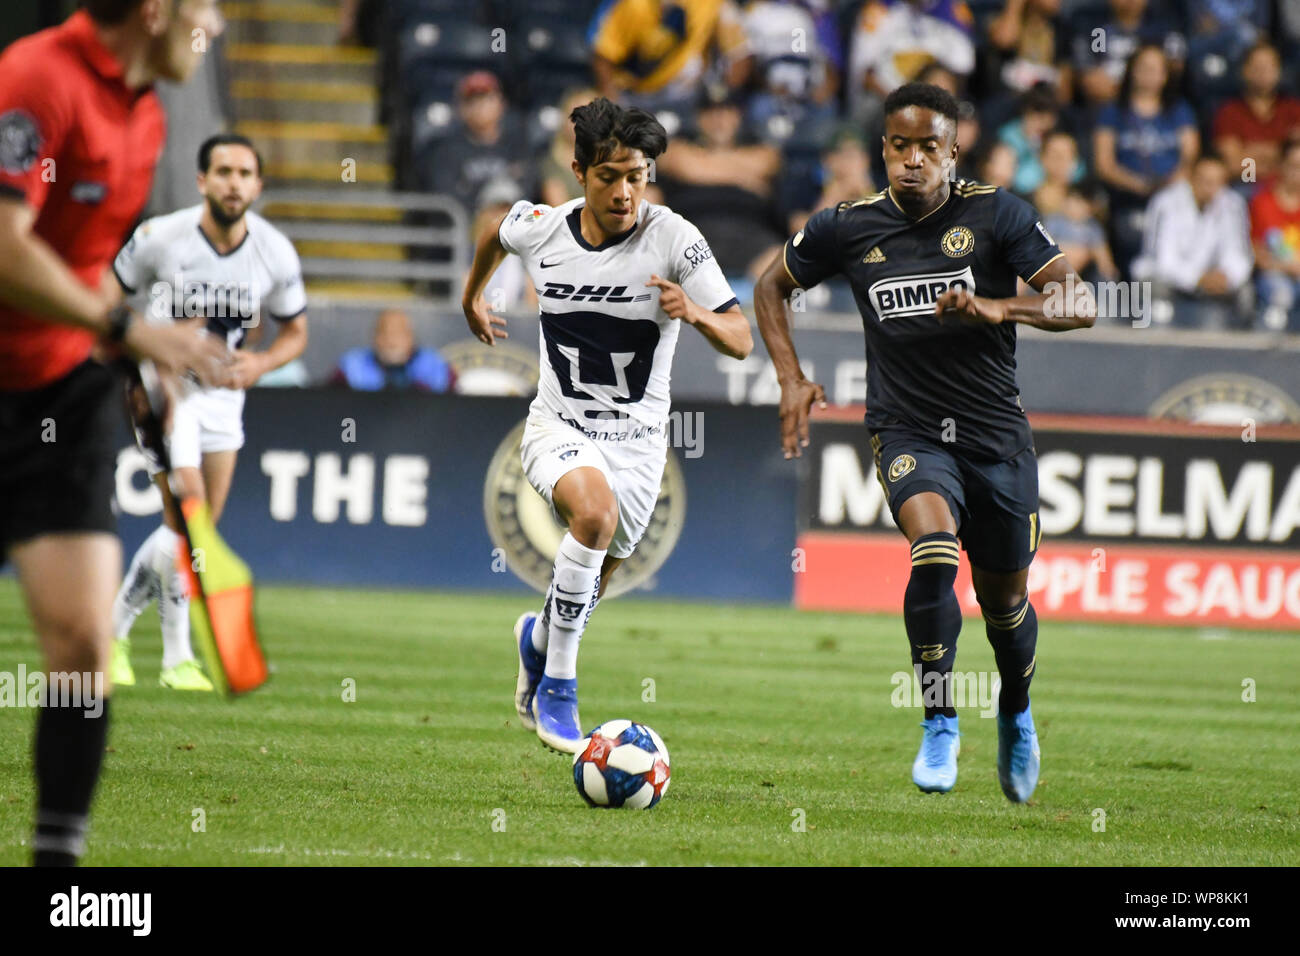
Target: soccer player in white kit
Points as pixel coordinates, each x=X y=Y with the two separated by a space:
x=221 y=262
x=615 y=278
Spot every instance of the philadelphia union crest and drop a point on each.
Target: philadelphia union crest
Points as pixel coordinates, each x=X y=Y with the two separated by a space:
x=521 y=524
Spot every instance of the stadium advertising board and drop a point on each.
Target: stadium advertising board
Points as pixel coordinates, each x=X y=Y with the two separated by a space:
x=408 y=489
x=1161 y=522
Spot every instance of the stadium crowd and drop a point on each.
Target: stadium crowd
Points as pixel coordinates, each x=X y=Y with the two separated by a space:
x=1159 y=139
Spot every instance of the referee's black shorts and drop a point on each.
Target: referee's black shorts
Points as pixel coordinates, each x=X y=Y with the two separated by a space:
x=56 y=456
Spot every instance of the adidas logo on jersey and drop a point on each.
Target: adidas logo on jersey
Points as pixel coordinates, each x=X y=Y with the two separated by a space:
x=903 y=296
x=589 y=293
x=875 y=255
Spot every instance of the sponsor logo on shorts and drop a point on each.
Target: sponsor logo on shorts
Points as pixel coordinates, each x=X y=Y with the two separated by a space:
x=520 y=522
x=901 y=466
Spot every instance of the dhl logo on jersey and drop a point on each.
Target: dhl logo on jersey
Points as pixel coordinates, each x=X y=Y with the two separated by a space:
x=915 y=295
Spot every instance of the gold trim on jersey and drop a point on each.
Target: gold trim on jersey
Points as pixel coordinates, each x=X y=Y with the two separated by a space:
x=864 y=201
x=784 y=249
x=1030 y=280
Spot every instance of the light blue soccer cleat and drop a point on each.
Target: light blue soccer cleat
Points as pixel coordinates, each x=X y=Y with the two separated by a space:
x=555 y=707
x=1018 y=758
x=935 y=767
x=532 y=664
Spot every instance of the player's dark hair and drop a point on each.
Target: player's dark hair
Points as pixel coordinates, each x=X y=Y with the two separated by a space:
x=601 y=127
x=225 y=139
x=109 y=12
x=928 y=97
x=1039 y=98
x=1168 y=93
x=1210 y=156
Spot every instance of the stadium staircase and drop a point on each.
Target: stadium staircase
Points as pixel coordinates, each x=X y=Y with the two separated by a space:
x=312 y=107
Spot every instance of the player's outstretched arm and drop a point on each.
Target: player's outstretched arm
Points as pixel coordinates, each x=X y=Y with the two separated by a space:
x=1061 y=302
x=797 y=393
x=488 y=254
x=728 y=332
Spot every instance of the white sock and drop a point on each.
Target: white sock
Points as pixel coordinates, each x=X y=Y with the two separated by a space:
x=574 y=588
x=139 y=587
x=541 y=627
x=174 y=605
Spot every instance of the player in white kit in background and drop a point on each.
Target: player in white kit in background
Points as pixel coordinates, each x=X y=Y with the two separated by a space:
x=230 y=266
x=615 y=277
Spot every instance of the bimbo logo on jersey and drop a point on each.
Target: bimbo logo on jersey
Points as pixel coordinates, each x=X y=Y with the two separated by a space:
x=915 y=295
x=590 y=293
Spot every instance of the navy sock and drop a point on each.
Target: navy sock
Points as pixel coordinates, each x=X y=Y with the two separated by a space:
x=1014 y=636
x=932 y=616
x=69 y=751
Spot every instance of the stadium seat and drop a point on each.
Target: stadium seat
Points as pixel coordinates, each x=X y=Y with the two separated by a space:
x=430 y=121
x=576 y=12
x=549 y=58
x=404 y=13
x=433 y=56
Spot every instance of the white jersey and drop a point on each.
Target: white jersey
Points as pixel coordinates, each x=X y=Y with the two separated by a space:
x=170 y=270
x=606 y=346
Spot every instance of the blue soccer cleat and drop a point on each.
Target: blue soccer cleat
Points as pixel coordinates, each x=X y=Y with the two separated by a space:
x=532 y=663
x=555 y=707
x=1017 y=755
x=935 y=767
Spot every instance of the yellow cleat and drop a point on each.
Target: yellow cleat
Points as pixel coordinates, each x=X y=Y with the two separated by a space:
x=185 y=676
x=119 y=666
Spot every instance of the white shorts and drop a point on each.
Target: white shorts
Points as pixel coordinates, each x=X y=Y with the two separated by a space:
x=204 y=421
x=551 y=449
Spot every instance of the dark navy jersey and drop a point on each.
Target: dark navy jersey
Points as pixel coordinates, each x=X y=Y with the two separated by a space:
x=954 y=381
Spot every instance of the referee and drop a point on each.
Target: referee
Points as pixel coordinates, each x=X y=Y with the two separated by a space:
x=80 y=134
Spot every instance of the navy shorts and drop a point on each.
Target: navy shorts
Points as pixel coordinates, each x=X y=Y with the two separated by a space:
x=995 y=503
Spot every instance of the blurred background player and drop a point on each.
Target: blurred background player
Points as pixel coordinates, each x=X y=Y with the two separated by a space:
x=595 y=442
x=934 y=267
x=244 y=269
x=70 y=98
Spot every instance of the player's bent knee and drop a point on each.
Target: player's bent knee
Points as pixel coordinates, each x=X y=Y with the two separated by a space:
x=594 y=525
x=925 y=513
x=71 y=646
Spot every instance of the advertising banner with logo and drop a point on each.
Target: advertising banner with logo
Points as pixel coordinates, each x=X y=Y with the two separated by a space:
x=388 y=489
x=1141 y=521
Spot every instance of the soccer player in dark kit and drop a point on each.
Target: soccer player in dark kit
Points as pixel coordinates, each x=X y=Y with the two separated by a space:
x=933 y=265
x=80 y=133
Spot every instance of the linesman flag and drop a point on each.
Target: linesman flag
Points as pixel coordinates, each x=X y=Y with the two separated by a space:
x=219 y=582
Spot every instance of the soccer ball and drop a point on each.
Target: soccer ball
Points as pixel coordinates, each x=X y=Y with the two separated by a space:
x=622 y=764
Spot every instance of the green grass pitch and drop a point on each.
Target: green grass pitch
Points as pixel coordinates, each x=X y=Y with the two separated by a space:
x=771 y=716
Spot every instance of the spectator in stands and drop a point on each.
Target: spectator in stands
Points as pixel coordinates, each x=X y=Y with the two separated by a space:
x=509 y=287
x=1058 y=158
x=1081 y=237
x=1029 y=48
x=997 y=166
x=1143 y=141
x=794 y=81
x=1275 y=229
x=1254 y=126
x=555 y=172
x=724 y=186
x=968 y=139
x=895 y=39
x=845 y=175
x=1039 y=113
x=1100 y=66
x=481 y=147
x=1196 y=249
x=394 y=360
x=653 y=53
